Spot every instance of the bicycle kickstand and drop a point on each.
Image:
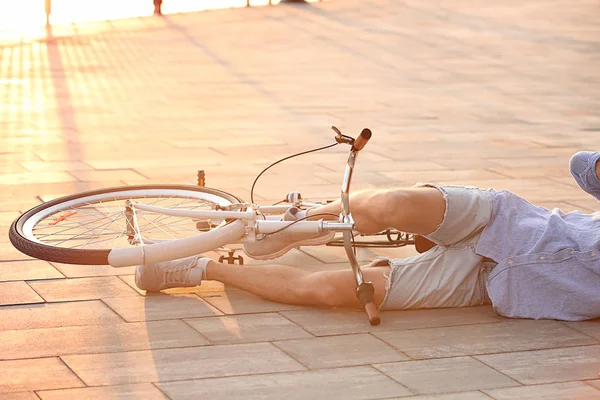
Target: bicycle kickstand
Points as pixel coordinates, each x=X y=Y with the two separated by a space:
x=231 y=258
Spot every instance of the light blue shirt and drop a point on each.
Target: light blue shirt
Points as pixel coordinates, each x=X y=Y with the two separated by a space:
x=548 y=261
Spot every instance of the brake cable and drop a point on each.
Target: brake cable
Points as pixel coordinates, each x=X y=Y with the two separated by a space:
x=283 y=159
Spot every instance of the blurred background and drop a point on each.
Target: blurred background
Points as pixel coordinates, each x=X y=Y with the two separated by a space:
x=25 y=14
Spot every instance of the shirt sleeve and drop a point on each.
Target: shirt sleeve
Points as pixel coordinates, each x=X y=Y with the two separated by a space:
x=583 y=169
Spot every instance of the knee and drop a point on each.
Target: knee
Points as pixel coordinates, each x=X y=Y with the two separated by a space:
x=381 y=203
x=322 y=294
x=389 y=206
x=580 y=162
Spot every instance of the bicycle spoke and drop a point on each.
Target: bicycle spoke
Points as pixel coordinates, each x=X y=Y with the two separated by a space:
x=103 y=224
x=158 y=226
x=77 y=235
x=111 y=222
x=118 y=237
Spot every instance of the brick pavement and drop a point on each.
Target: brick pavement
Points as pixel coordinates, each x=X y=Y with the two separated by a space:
x=494 y=94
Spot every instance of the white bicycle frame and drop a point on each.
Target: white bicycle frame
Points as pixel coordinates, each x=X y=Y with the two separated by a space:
x=249 y=222
x=247 y=225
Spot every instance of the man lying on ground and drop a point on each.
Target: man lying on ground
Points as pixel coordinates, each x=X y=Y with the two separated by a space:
x=490 y=247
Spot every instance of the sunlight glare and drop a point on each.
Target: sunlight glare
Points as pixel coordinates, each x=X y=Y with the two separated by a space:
x=26 y=15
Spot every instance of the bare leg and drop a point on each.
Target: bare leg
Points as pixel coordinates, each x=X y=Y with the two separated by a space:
x=417 y=210
x=295 y=286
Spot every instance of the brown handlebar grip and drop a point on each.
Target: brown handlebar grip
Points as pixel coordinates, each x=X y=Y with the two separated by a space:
x=362 y=140
x=372 y=313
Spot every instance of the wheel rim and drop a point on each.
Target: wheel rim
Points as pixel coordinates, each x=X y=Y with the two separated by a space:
x=98 y=221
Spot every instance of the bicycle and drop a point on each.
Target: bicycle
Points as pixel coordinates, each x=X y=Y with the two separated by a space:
x=133 y=225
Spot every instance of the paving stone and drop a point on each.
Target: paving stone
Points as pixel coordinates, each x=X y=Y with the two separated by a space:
x=206 y=287
x=180 y=364
x=47 y=342
x=339 y=383
x=445 y=375
x=22 y=375
x=53 y=315
x=241 y=302
x=330 y=254
x=325 y=322
x=247 y=328
x=110 y=175
x=53 y=190
x=340 y=351
x=294 y=257
x=393 y=165
x=359 y=176
x=85 y=271
x=526 y=172
x=237 y=141
x=530 y=162
x=547 y=366
x=160 y=307
x=9 y=253
x=19 y=396
x=590 y=328
x=120 y=392
x=7 y=218
x=484 y=338
x=217 y=171
x=4 y=239
x=82 y=289
x=557 y=391
x=409 y=178
x=40 y=166
x=482 y=101
x=440 y=163
x=595 y=383
x=451 y=396
x=40 y=177
x=137 y=163
x=17 y=293
x=27 y=270
x=589 y=204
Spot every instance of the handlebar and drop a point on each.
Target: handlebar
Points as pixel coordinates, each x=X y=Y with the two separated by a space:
x=358 y=143
x=362 y=140
x=365 y=292
x=372 y=313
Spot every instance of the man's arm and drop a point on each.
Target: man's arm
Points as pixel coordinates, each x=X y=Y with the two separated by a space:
x=585 y=168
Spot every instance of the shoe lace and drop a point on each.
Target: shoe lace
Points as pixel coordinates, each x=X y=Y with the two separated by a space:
x=179 y=274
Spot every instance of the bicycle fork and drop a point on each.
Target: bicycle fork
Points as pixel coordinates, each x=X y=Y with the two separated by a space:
x=364 y=290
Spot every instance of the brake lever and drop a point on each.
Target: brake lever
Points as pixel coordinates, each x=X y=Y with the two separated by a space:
x=341 y=138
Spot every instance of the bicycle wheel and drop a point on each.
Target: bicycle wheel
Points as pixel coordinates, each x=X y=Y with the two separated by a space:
x=83 y=228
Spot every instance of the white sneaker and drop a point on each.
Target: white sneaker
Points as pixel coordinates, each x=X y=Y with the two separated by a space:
x=276 y=245
x=185 y=272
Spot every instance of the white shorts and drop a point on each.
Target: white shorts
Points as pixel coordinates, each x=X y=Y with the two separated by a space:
x=450 y=274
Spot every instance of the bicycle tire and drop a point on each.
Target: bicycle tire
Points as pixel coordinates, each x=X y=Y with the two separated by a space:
x=51 y=253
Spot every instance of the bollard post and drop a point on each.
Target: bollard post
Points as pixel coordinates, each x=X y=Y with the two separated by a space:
x=48 y=7
x=157 y=7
